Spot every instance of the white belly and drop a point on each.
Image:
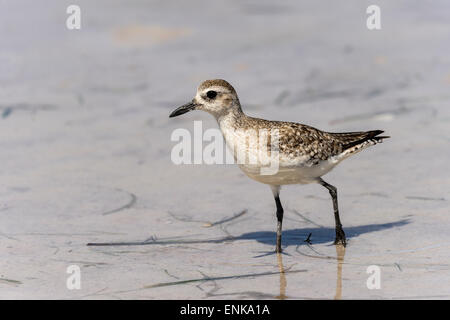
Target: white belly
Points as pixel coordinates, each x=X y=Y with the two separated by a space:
x=288 y=174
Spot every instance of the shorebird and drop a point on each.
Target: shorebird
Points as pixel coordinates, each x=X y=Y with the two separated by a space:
x=304 y=153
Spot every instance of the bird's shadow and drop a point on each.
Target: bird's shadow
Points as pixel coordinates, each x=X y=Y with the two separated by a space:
x=319 y=235
x=291 y=237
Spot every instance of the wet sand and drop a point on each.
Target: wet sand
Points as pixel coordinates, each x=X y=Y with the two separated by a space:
x=85 y=140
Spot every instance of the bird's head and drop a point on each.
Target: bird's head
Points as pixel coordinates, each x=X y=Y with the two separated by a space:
x=217 y=97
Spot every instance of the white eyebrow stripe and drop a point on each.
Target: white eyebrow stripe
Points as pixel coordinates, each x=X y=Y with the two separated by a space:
x=215 y=88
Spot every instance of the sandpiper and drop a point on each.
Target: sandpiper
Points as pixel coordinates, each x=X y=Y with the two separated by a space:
x=305 y=154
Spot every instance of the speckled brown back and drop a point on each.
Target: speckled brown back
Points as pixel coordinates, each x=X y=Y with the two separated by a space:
x=297 y=139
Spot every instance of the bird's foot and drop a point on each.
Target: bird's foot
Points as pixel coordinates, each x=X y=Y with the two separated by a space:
x=340 y=238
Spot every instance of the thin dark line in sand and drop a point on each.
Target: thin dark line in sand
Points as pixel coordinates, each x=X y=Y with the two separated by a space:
x=240 y=214
x=128 y=205
x=160 y=242
x=207 y=278
x=318 y=256
x=307 y=219
x=171 y=241
x=424 y=198
x=207 y=223
x=10 y=282
x=154 y=241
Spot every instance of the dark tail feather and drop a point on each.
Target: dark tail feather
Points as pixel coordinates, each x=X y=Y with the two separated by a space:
x=363 y=136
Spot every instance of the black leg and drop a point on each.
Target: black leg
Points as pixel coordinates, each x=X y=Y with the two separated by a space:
x=340 y=235
x=276 y=194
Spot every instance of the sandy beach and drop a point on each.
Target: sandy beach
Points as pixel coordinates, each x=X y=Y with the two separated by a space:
x=86 y=150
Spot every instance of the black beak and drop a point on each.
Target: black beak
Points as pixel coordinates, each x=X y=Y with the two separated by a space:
x=183 y=109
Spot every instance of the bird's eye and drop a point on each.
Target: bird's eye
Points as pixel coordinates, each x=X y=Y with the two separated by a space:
x=211 y=94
